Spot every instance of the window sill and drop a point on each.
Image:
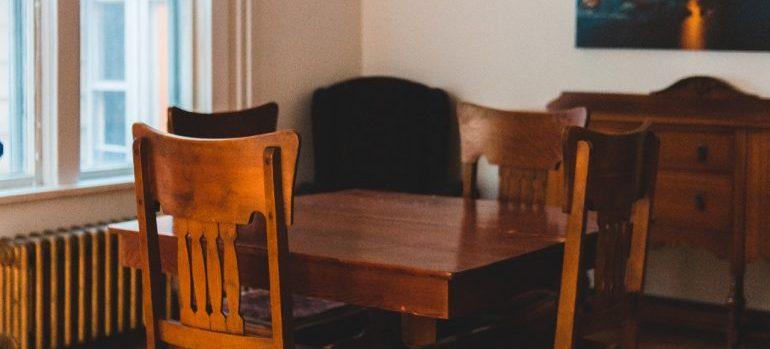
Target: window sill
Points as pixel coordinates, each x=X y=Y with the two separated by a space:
x=86 y=187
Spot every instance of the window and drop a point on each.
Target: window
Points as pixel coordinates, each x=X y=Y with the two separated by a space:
x=135 y=59
x=129 y=73
x=16 y=126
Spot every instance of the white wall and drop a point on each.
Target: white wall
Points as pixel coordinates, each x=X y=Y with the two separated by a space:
x=520 y=55
x=38 y=215
x=282 y=51
x=302 y=45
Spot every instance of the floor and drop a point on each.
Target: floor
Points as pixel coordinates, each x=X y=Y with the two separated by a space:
x=667 y=340
x=651 y=339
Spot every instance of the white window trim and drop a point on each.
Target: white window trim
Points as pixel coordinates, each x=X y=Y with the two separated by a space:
x=66 y=96
x=81 y=188
x=232 y=54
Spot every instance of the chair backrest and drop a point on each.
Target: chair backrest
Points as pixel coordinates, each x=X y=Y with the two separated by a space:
x=614 y=175
x=382 y=133
x=232 y=124
x=209 y=187
x=525 y=145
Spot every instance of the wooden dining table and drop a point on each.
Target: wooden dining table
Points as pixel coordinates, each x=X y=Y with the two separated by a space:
x=426 y=257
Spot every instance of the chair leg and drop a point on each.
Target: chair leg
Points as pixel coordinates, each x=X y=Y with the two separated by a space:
x=631 y=334
x=736 y=300
x=376 y=334
x=362 y=340
x=417 y=331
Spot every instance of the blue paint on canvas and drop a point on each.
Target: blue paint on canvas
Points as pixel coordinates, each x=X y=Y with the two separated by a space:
x=674 y=24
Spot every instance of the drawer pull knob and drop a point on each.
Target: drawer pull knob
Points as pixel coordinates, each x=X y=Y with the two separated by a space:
x=700 y=203
x=703 y=153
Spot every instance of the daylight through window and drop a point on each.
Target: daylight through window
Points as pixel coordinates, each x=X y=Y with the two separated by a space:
x=129 y=74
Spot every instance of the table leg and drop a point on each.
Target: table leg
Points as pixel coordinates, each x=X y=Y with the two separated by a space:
x=736 y=303
x=417 y=331
x=736 y=300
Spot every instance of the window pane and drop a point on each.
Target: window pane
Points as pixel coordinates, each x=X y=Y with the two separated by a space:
x=111 y=107
x=5 y=82
x=128 y=75
x=110 y=46
x=14 y=126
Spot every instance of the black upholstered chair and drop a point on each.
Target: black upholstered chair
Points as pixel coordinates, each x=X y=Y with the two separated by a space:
x=383 y=133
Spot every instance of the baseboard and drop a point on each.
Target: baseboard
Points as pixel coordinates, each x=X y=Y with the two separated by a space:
x=703 y=317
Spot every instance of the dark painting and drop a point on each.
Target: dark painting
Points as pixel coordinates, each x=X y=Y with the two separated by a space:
x=674 y=24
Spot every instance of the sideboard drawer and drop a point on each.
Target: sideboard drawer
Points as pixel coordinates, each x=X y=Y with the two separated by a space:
x=699 y=151
x=694 y=200
x=684 y=149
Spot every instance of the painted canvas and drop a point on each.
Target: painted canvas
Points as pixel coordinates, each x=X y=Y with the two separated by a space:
x=674 y=24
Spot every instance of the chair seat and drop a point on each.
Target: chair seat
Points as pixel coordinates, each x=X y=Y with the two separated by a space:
x=317 y=322
x=255 y=307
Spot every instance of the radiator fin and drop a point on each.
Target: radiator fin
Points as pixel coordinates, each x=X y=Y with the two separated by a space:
x=65 y=288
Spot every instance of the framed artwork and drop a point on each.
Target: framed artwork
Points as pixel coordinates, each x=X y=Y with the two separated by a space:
x=742 y=25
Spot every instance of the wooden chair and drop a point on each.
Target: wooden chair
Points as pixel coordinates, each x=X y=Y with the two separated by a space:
x=318 y=321
x=254 y=178
x=233 y=124
x=613 y=175
x=525 y=145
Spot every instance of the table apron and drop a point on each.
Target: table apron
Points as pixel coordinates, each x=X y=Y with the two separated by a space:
x=361 y=285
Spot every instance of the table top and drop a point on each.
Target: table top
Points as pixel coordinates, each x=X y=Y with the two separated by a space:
x=424 y=237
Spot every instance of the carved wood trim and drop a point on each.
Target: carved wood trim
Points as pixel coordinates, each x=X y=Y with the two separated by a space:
x=703 y=87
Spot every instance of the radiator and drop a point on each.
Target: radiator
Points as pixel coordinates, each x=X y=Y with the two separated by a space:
x=65 y=288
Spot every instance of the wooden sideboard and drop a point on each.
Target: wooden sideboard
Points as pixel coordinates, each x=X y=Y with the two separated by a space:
x=713 y=189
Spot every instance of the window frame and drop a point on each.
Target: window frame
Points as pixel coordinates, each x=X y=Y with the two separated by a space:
x=21 y=97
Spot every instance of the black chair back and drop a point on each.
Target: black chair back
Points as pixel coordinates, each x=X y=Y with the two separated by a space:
x=382 y=133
